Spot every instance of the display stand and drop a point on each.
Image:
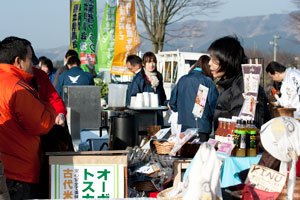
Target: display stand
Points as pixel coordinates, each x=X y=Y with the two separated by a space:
x=146 y=116
x=93 y=174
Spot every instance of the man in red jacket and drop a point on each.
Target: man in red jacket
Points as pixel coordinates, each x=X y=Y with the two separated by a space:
x=23 y=118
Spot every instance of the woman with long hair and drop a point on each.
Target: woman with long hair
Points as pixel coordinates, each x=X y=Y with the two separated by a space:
x=149 y=80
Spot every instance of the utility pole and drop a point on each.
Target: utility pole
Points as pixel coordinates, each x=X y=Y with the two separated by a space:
x=274 y=43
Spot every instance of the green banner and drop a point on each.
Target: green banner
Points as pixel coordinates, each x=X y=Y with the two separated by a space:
x=75 y=24
x=106 y=44
x=87 y=39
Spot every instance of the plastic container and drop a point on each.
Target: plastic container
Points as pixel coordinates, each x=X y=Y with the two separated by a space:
x=117 y=95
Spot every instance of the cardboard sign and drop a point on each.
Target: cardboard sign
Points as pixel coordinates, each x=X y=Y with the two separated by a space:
x=266 y=179
x=92 y=175
x=213 y=142
x=226 y=148
x=87 y=181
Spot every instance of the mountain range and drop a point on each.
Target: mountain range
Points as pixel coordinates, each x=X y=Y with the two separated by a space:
x=253 y=32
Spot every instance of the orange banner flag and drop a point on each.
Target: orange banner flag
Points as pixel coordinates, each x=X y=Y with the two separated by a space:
x=126 y=37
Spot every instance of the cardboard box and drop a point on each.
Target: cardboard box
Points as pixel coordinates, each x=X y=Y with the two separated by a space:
x=96 y=174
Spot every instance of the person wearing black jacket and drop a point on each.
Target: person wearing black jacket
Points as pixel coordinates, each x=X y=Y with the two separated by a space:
x=227 y=56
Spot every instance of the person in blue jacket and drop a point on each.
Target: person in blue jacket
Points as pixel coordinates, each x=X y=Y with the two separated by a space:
x=149 y=80
x=74 y=76
x=47 y=66
x=184 y=94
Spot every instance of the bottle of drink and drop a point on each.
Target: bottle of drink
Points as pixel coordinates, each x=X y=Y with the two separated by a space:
x=251 y=151
x=219 y=130
x=241 y=141
x=230 y=135
x=248 y=125
x=226 y=125
x=236 y=136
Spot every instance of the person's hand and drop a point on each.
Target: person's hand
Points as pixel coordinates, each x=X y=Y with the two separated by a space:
x=169 y=106
x=60 y=119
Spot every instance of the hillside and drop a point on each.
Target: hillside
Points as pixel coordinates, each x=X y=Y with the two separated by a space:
x=254 y=32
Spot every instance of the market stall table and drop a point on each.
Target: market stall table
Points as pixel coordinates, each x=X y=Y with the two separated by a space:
x=232 y=166
x=146 y=116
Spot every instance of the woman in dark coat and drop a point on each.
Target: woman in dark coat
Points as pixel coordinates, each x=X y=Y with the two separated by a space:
x=227 y=56
x=149 y=80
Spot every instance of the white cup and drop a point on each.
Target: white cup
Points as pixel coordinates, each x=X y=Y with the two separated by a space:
x=132 y=101
x=146 y=99
x=139 y=101
x=154 y=100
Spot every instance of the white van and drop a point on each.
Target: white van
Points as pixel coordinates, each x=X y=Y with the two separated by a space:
x=173 y=65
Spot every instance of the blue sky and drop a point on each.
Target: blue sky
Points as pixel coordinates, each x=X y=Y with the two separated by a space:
x=46 y=22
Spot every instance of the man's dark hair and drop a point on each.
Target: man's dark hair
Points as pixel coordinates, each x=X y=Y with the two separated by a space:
x=230 y=54
x=71 y=52
x=134 y=59
x=42 y=58
x=48 y=63
x=275 y=67
x=73 y=60
x=12 y=47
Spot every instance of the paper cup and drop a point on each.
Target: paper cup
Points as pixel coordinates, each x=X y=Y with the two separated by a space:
x=139 y=101
x=132 y=101
x=154 y=100
x=146 y=99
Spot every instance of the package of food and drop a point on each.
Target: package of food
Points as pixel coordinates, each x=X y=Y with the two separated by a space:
x=200 y=101
x=251 y=74
x=183 y=138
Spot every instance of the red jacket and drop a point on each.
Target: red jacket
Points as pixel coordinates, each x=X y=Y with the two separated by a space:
x=23 y=118
x=47 y=91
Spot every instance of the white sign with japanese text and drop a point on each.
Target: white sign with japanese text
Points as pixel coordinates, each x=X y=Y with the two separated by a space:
x=200 y=101
x=87 y=181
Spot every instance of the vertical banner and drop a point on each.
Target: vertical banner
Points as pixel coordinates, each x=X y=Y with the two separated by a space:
x=75 y=23
x=87 y=39
x=106 y=43
x=126 y=37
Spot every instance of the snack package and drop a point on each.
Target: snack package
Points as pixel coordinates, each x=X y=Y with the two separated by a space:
x=251 y=74
x=200 y=101
x=183 y=138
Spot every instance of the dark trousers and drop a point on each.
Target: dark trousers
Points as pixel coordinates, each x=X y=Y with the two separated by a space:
x=203 y=136
x=20 y=190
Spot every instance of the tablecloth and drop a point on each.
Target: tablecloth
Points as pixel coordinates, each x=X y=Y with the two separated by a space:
x=231 y=167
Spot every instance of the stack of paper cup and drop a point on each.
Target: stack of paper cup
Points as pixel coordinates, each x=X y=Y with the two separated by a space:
x=154 y=100
x=139 y=101
x=146 y=99
x=132 y=101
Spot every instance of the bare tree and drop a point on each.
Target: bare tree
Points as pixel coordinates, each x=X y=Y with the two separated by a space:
x=156 y=15
x=296 y=15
